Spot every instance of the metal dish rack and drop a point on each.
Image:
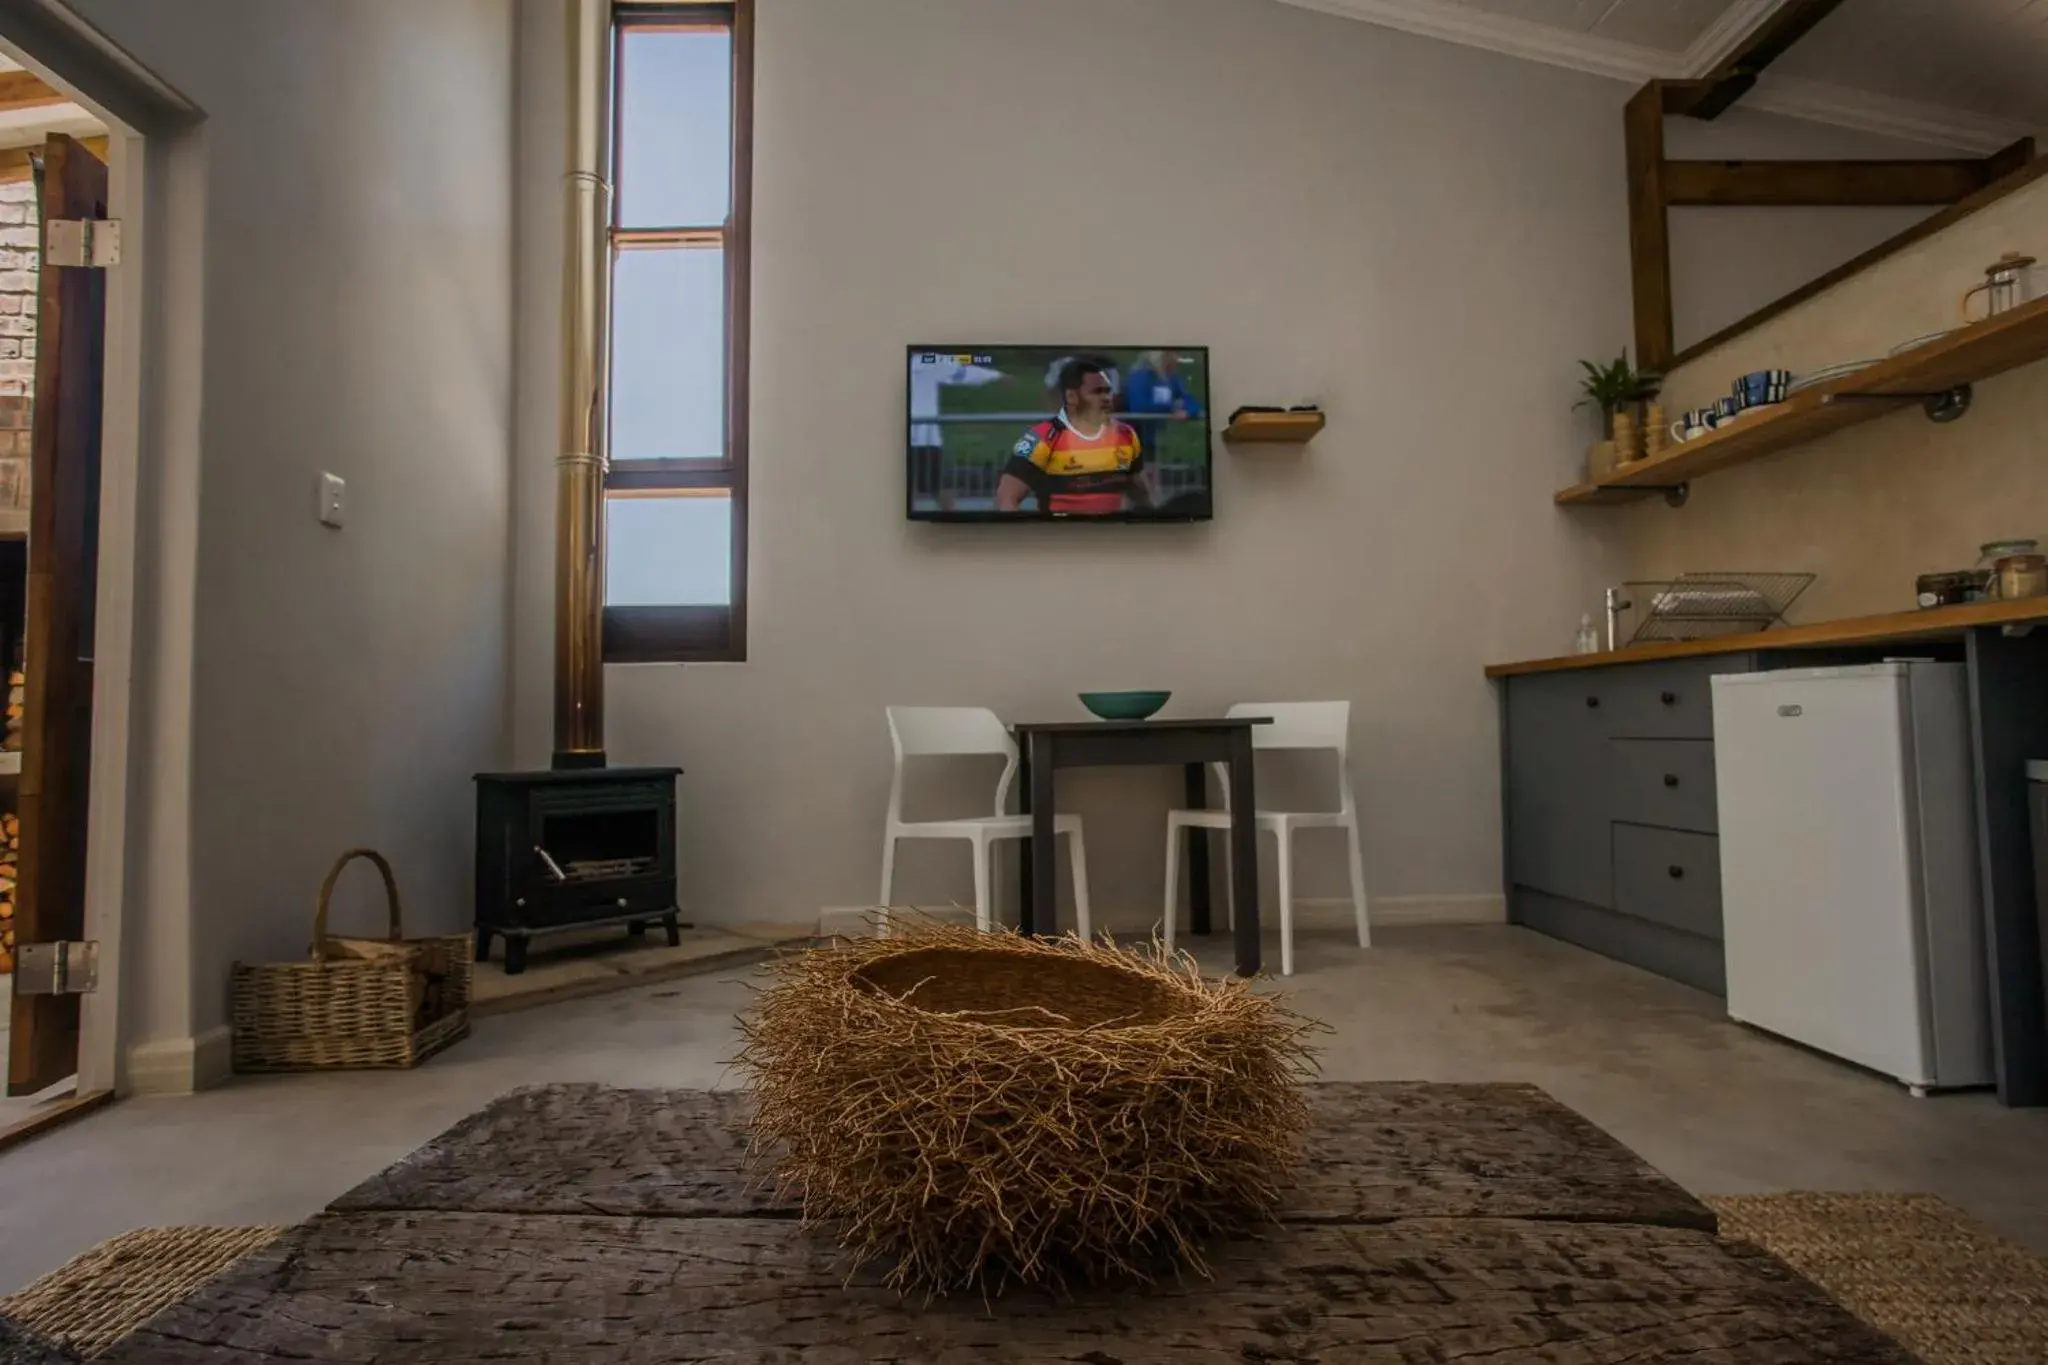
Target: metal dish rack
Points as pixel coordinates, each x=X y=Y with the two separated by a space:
x=1699 y=606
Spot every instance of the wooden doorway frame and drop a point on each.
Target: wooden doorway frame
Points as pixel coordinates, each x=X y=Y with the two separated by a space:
x=148 y=424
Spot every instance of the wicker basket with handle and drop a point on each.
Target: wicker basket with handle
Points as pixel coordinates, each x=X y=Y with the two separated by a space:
x=390 y=1002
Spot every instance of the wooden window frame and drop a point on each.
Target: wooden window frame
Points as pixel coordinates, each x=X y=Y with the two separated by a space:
x=693 y=634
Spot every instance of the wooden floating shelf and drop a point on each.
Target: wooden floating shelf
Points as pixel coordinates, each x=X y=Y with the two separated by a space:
x=1276 y=428
x=13 y=523
x=1982 y=349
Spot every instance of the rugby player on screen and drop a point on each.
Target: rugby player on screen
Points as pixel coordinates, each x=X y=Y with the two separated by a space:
x=1081 y=462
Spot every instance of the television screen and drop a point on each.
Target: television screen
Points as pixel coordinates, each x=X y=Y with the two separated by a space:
x=1101 y=433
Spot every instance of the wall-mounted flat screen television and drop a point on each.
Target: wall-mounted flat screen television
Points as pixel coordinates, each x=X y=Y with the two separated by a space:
x=1083 y=433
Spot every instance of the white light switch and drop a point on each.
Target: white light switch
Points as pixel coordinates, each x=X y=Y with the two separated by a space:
x=332 y=499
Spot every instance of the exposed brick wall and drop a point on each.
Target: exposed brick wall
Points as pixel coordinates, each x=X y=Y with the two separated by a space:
x=20 y=259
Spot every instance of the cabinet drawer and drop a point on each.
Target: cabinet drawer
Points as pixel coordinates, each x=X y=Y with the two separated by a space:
x=1669 y=878
x=1672 y=700
x=1581 y=698
x=1668 y=783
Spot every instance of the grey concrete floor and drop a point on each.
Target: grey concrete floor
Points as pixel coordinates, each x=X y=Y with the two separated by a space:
x=1722 y=1109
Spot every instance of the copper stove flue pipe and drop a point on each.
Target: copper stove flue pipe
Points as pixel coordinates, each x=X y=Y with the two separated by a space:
x=586 y=331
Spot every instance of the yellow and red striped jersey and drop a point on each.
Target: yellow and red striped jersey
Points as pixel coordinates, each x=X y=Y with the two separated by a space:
x=1076 y=473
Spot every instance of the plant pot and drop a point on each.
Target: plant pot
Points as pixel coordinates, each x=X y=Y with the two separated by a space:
x=1656 y=432
x=1601 y=458
x=1626 y=434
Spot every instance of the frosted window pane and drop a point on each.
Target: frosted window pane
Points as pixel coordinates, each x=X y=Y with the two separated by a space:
x=675 y=148
x=669 y=551
x=668 y=355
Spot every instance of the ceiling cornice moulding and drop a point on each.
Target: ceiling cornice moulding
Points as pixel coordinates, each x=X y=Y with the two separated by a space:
x=1814 y=101
x=1721 y=38
x=1867 y=111
x=1544 y=43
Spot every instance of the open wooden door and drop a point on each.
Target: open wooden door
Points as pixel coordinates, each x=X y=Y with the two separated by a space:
x=63 y=556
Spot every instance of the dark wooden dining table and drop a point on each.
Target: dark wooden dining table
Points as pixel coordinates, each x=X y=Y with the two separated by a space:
x=1044 y=749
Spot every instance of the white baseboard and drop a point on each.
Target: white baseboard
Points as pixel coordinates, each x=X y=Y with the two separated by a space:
x=180 y=1066
x=1486 y=907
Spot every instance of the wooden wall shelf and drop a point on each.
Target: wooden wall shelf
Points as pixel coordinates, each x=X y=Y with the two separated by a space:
x=1978 y=351
x=1276 y=428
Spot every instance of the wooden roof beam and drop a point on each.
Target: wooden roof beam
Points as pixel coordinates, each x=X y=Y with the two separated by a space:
x=1713 y=94
x=27 y=90
x=1835 y=183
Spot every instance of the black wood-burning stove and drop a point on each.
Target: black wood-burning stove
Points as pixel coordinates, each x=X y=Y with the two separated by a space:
x=570 y=848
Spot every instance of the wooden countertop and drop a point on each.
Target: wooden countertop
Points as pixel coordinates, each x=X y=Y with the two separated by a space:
x=1934 y=623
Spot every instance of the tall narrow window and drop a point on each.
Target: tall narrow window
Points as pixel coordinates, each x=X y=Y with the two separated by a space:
x=676 y=494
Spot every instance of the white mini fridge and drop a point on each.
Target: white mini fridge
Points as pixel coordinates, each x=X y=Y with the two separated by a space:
x=1850 y=905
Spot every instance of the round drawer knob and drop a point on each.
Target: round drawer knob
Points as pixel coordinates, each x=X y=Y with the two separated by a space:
x=1592 y=703
x=1669 y=698
x=1676 y=871
x=521 y=902
x=622 y=902
x=1671 y=779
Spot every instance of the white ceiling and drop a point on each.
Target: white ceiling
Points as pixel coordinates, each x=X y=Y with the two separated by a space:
x=1990 y=56
x=1969 y=74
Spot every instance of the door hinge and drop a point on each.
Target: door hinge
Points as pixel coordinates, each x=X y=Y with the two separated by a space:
x=91 y=242
x=59 y=968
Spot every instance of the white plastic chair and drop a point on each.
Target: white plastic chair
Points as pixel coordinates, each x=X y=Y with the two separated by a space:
x=1306 y=725
x=954 y=731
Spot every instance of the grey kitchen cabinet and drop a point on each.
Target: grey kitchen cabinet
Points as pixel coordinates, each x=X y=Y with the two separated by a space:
x=1608 y=801
x=1559 y=833
x=1587 y=800
x=1687 y=958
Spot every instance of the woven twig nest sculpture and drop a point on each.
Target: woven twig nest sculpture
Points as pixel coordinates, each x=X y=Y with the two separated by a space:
x=986 y=1110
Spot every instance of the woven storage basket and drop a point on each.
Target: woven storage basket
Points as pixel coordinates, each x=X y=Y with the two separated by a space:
x=389 y=1002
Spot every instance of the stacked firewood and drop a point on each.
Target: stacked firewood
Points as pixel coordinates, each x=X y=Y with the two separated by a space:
x=10 y=857
x=17 y=684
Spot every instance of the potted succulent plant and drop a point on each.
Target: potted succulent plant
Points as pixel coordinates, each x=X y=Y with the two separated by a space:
x=1616 y=388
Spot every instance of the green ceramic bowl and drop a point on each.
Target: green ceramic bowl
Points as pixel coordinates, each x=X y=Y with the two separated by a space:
x=1124 y=705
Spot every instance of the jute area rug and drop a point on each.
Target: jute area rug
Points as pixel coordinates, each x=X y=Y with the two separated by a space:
x=1921 y=1270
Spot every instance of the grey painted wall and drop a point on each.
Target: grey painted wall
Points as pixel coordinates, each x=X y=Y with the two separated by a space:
x=1423 y=237
x=1420 y=236
x=1728 y=261
x=357 y=314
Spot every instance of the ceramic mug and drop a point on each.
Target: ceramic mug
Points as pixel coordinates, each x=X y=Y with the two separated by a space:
x=1695 y=423
x=1760 y=387
x=1726 y=410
